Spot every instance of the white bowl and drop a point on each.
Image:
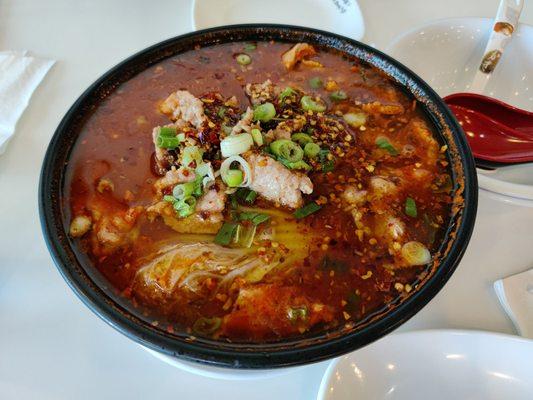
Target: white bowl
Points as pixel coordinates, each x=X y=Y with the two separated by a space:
x=210 y=371
x=343 y=17
x=436 y=365
x=446 y=54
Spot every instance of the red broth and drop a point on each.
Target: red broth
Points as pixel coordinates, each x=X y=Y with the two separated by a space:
x=387 y=185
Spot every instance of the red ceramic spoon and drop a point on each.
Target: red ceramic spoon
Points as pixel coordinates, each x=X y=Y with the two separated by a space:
x=497 y=132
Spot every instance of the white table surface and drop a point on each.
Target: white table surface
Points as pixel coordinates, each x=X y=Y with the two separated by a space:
x=51 y=345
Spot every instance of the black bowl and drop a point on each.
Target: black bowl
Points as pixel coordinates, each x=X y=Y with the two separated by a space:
x=94 y=291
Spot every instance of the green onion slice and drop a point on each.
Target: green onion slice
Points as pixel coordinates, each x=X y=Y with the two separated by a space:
x=355 y=120
x=327 y=164
x=250 y=46
x=236 y=144
x=288 y=91
x=257 y=137
x=306 y=210
x=254 y=217
x=243 y=166
x=186 y=206
x=308 y=104
x=167 y=142
x=297 y=313
x=316 y=82
x=221 y=112
x=338 y=95
x=167 y=139
x=311 y=150
x=245 y=195
x=183 y=190
x=301 y=138
x=244 y=236
x=226 y=233
x=287 y=150
x=243 y=59
x=383 y=143
x=264 y=112
x=410 y=207
x=167 y=131
x=233 y=177
x=192 y=155
x=300 y=164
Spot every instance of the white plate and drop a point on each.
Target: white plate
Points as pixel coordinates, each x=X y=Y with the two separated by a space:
x=338 y=16
x=436 y=365
x=446 y=53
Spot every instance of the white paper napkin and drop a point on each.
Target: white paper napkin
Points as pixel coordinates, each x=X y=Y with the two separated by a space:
x=516 y=296
x=20 y=74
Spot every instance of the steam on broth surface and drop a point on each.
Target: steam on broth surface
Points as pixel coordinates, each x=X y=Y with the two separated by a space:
x=259 y=191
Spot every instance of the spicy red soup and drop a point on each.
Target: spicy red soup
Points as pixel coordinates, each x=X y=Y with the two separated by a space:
x=259 y=191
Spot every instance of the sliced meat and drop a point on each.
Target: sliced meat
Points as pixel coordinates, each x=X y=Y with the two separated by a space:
x=270 y=310
x=212 y=201
x=420 y=136
x=382 y=187
x=276 y=183
x=262 y=92
x=386 y=109
x=80 y=225
x=209 y=223
x=245 y=123
x=297 y=53
x=114 y=231
x=172 y=178
x=352 y=195
x=182 y=105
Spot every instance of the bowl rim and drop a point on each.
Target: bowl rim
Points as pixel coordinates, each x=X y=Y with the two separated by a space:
x=295 y=352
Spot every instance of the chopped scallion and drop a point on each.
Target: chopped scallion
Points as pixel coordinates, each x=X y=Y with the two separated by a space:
x=186 y=206
x=300 y=164
x=410 y=207
x=233 y=177
x=221 y=112
x=301 y=138
x=183 y=190
x=243 y=59
x=257 y=136
x=355 y=120
x=226 y=233
x=250 y=47
x=264 y=112
x=288 y=91
x=167 y=139
x=311 y=150
x=297 y=313
x=167 y=131
x=316 y=82
x=306 y=210
x=308 y=104
x=339 y=95
x=328 y=163
x=254 y=217
x=383 y=143
x=287 y=150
